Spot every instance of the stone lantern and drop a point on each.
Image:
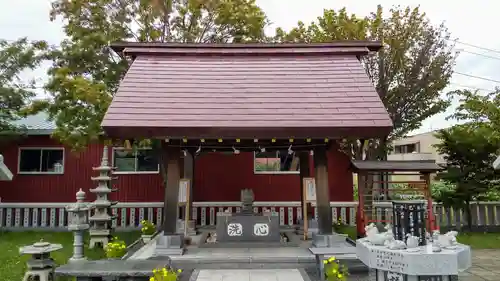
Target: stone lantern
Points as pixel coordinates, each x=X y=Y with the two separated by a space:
x=78 y=223
x=41 y=266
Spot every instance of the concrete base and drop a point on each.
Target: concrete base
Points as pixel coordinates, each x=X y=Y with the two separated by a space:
x=312 y=228
x=328 y=240
x=191 y=229
x=167 y=245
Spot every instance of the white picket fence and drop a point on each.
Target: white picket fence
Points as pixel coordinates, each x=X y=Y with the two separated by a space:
x=53 y=216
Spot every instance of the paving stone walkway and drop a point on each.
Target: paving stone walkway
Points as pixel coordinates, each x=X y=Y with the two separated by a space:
x=250 y=275
x=485 y=267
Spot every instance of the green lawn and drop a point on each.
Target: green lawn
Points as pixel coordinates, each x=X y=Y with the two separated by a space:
x=12 y=265
x=480 y=240
x=475 y=240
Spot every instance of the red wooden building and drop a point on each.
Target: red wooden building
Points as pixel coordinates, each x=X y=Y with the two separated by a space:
x=46 y=171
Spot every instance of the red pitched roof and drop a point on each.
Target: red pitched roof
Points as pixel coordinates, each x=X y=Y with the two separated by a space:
x=195 y=90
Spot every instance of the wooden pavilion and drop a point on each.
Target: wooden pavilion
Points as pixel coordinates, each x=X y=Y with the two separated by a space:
x=245 y=97
x=373 y=189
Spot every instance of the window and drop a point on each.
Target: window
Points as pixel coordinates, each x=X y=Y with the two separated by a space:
x=41 y=161
x=276 y=162
x=407 y=148
x=140 y=160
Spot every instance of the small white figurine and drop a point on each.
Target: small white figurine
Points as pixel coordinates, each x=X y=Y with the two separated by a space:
x=411 y=241
x=388 y=227
x=376 y=238
x=396 y=245
x=447 y=240
x=371 y=229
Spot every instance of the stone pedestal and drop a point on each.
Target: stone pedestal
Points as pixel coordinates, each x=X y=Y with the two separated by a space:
x=420 y=264
x=328 y=240
x=248 y=228
x=432 y=262
x=170 y=244
x=41 y=266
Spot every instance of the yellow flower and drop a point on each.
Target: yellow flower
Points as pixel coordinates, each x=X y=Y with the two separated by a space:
x=152 y=279
x=179 y=270
x=334 y=270
x=155 y=270
x=325 y=261
x=331 y=259
x=340 y=275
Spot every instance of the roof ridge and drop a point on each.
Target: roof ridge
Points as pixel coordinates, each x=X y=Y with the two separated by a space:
x=369 y=46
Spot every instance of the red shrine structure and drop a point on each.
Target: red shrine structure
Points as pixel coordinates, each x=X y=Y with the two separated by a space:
x=295 y=99
x=227 y=117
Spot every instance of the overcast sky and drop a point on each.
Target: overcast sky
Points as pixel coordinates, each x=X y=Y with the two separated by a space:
x=472 y=22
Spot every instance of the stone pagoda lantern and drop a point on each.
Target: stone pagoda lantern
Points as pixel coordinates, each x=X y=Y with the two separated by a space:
x=101 y=220
x=78 y=223
x=41 y=266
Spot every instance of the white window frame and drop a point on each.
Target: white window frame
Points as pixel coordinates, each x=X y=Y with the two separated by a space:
x=41 y=155
x=272 y=172
x=132 y=172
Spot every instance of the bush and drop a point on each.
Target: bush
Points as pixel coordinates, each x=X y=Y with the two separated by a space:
x=339 y=226
x=334 y=271
x=147 y=227
x=165 y=274
x=116 y=248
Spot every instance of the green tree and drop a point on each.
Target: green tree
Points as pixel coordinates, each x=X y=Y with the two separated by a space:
x=15 y=58
x=469 y=153
x=479 y=111
x=470 y=150
x=86 y=73
x=409 y=73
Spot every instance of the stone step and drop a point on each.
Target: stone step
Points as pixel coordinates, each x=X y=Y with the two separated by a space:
x=235 y=262
x=354 y=267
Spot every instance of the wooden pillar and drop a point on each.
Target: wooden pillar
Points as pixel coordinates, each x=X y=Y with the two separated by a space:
x=171 y=161
x=304 y=173
x=430 y=209
x=360 y=214
x=325 y=223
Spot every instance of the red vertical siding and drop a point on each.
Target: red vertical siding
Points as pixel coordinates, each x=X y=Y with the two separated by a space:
x=218 y=177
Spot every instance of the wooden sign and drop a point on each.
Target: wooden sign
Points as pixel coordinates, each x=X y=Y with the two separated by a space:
x=310 y=190
x=183 y=191
x=185 y=200
x=309 y=195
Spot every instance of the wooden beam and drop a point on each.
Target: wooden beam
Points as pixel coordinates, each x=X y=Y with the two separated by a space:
x=172 y=160
x=248 y=144
x=325 y=222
